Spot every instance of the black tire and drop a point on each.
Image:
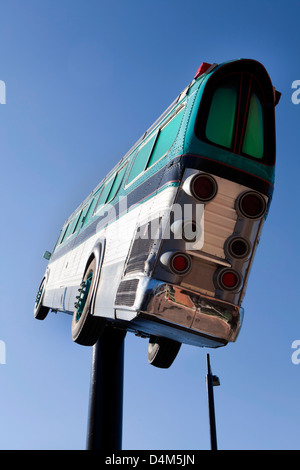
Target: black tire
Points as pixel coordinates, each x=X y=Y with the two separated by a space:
x=162 y=352
x=40 y=312
x=86 y=329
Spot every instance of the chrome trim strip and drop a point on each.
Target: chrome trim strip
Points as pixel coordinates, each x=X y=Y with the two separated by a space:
x=211 y=258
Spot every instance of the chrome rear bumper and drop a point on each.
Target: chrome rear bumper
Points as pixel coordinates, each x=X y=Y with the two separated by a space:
x=198 y=314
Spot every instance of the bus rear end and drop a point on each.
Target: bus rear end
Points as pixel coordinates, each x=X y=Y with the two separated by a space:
x=194 y=290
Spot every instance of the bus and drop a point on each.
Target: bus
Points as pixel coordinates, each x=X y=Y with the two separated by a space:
x=131 y=257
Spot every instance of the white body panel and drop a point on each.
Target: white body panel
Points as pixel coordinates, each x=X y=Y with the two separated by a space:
x=65 y=273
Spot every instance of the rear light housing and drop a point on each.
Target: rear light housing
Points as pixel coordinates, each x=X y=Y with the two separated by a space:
x=201 y=186
x=251 y=205
x=228 y=279
x=238 y=248
x=177 y=262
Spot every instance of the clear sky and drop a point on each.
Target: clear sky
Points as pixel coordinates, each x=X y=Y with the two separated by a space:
x=84 y=79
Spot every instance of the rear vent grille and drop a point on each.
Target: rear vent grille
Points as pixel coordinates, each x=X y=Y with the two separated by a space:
x=126 y=292
x=220 y=218
x=140 y=249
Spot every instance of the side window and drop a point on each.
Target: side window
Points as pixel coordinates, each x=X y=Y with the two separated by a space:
x=64 y=234
x=141 y=159
x=103 y=195
x=116 y=184
x=253 y=144
x=156 y=147
x=73 y=226
x=110 y=189
x=76 y=224
x=88 y=212
x=81 y=218
x=96 y=198
x=165 y=138
x=221 y=116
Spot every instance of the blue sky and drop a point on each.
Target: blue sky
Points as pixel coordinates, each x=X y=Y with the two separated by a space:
x=84 y=79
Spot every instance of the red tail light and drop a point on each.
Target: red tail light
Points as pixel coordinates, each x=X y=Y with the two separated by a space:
x=178 y=262
x=228 y=279
x=252 y=205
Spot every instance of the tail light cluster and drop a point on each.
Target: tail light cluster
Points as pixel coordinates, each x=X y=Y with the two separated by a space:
x=250 y=205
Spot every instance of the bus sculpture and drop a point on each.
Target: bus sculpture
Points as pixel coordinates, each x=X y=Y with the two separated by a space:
x=131 y=256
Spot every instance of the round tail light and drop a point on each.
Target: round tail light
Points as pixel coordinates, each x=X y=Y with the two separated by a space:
x=203 y=187
x=228 y=279
x=238 y=247
x=252 y=205
x=176 y=262
x=180 y=263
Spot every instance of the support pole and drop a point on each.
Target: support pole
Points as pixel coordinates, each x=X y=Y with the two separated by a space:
x=211 y=380
x=106 y=392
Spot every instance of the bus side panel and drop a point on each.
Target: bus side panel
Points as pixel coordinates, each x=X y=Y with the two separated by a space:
x=119 y=238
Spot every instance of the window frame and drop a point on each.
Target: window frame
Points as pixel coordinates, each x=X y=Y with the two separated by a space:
x=111 y=181
x=136 y=153
x=77 y=219
x=63 y=237
x=236 y=117
x=89 y=211
x=154 y=134
x=121 y=169
x=97 y=209
x=161 y=128
x=254 y=90
x=248 y=82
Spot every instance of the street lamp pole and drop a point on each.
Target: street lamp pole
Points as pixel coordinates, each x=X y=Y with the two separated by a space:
x=211 y=381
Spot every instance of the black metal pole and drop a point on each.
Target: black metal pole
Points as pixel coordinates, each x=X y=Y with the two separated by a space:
x=106 y=393
x=211 y=406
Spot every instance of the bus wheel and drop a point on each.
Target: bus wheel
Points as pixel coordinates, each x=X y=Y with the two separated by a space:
x=162 y=351
x=86 y=328
x=40 y=312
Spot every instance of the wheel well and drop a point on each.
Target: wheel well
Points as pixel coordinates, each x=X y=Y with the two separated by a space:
x=90 y=259
x=96 y=254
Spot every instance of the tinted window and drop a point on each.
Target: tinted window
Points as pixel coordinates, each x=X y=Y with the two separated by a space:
x=88 y=212
x=110 y=189
x=236 y=113
x=165 y=139
x=64 y=234
x=141 y=159
x=221 y=116
x=116 y=184
x=104 y=193
x=156 y=147
x=77 y=222
x=253 y=144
